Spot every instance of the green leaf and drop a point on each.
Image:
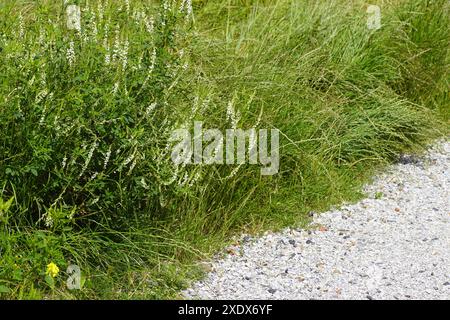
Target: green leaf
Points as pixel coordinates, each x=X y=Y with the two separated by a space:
x=4 y=289
x=17 y=275
x=50 y=281
x=4 y=206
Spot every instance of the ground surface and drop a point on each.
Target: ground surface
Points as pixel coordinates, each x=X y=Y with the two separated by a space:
x=393 y=245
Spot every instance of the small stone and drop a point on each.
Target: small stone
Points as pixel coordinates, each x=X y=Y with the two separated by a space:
x=272 y=291
x=408 y=159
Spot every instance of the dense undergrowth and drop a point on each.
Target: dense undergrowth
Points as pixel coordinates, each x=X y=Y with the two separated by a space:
x=85 y=173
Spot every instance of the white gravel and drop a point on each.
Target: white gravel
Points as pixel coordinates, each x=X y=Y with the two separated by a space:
x=396 y=246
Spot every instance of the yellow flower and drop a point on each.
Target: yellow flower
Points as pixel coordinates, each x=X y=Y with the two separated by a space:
x=52 y=270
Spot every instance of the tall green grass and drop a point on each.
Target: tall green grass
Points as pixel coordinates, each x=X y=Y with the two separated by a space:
x=84 y=153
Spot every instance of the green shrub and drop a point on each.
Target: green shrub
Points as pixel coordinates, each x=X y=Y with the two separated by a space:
x=86 y=115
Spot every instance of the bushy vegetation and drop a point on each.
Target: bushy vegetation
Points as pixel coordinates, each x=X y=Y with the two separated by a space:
x=86 y=115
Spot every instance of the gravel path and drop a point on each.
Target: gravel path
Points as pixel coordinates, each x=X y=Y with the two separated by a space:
x=390 y=246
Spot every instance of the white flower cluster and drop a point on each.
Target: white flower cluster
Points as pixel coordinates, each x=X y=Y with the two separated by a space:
x=105 y=43
x=89 y=157
x=42 y=119
x=123 y=54
x=107 y=156
x=131 y=159
x=21 y=27
x=232 y=115
x=189 y=180
x=150 y=109
x=116 y=88
x=151 y=68
x=93 y=29
x=141 y=18
x=133 y=164
x=100 y=10
x=186 y=7
x=127 y=6
x=41 y=39
x=48 y=220
x=40 y=96
x=119 y=52
x=64 y=162
x=93 y=176
x=149 y=24
x=71 y=53
x=116 y=47
x=153 y=62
